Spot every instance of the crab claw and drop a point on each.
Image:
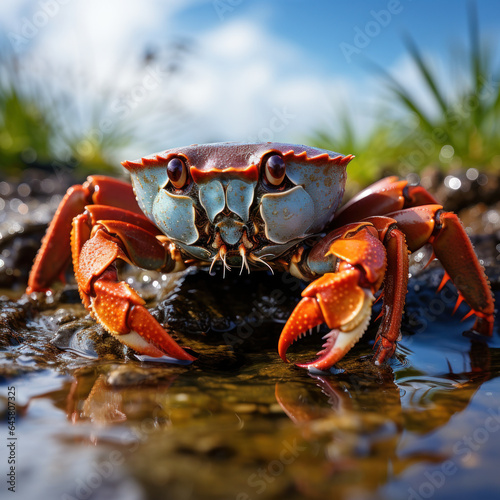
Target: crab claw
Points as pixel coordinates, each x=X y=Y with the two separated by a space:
x=338 y=300
x=121 y=312
x=113 y=303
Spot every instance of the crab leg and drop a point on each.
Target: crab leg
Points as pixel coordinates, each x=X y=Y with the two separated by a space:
x=113 y=303
x=451 y=245
x=395 y=287
x=343 y=299
x=383 y=197
x=416 y=227
x=54 y=254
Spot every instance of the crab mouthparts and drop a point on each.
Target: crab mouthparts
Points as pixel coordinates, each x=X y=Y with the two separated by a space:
x=231 y=240
x=231 y=231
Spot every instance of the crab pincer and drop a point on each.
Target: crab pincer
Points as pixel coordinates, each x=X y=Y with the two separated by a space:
x=343 y=299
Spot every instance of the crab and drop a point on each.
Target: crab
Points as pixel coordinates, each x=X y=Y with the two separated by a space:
x=256 y=207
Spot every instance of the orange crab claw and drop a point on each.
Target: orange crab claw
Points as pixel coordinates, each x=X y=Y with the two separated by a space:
x=339 y=302
x=306 y=315
x=120 y=310
x=140 y=320
x=343 y=300
x=113 y=303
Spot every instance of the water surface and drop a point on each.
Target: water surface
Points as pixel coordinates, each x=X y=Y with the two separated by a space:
x=92 y=422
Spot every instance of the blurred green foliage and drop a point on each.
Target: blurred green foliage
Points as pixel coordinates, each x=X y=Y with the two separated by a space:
x=57 y=120
x=463 y=129
x=25 y=131
x=374 y=153
x=36 y=128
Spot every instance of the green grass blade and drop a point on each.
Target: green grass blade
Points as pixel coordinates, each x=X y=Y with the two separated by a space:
x=426 y=73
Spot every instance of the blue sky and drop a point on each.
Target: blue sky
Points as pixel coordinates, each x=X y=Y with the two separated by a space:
x=320 y=27
x=257 y=70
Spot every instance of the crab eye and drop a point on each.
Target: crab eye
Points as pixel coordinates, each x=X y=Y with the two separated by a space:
x=177 y=172
x=275 y=170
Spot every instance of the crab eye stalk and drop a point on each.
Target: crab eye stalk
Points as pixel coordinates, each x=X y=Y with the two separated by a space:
x=274 y=170
x=177 y=173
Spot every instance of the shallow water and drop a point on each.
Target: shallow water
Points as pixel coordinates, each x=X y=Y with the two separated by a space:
x=239 y=423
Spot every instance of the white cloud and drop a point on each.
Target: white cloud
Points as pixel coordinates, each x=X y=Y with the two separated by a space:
x=246 y=83
x=241 y=82
x=95 y=35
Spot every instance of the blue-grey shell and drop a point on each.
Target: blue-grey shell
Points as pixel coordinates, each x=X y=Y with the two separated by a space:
x=228 y=183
